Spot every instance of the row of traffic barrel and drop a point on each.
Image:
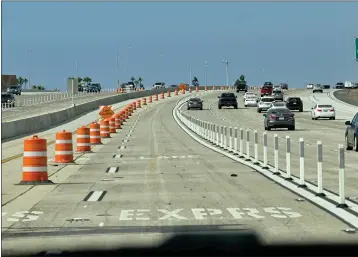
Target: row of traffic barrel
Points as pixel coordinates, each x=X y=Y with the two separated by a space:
x=34 y=170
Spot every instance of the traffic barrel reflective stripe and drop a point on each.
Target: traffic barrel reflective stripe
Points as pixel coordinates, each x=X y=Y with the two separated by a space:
x=134 y=106
x=126 y=116
x=83 y=139
x=104 y=128
x=112 y=125
x=117 y=120
x=144 y=101
x=63 y=147
x=139 y=104
x=121 y=117
x=34 y=168
x=95 y=134
x=130 y=110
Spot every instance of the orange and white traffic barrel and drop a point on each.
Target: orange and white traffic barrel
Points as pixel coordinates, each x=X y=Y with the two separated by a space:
x=34 y=168
x=63 y=147
x=126 y=114
x=130 y=110
x=175 y=92
x=150 y=99
x=139 y=104
x=196 y=89
x=112 y=125
x=168 y=94
x=162 y=95
x=83 y=139
x=183 y=91
x=156 y=97
x=117 y=118
x=104 y=128
x=121 y=116
x=190 y=90
x=134 y=106
x=95 y=134
x=144 y=101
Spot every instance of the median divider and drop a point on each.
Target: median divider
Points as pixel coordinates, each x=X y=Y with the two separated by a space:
x=197 y=129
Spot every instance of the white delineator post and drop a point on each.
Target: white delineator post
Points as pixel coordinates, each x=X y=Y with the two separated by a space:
x=235 y=141
x=221 y=136
x=241 y=143
x=319 y=169
x=265 y=151
x=217 y=135
x=288 y=158
x=275 y=143
x=247 y=145
x=230 y=139
x=225 y=137
x=302 y=163
x=341 y=160
x=256 y=147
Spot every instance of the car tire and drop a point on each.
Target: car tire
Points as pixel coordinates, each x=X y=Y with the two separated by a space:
x=292 y=128
x=265 y=128
x=268 y=128
x=334 y=118
x=188 y=108
x=235 y=106
x=348 y=148
x=245 y=105
x=258 y=110
x=201 y=108
x=219 y=106
x=356 y=143
x=301 y=110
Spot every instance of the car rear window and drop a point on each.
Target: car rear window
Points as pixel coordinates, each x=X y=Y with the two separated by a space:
x=227 y=95
x=324 y=106
x=281 y=110
x=294 y=99
x=267 y=100
x=195 y=99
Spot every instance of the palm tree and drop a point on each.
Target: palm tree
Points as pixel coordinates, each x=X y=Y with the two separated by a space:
x=87 y=79
x=25 y=81
x=140 y=80
x=20 y=82
x=132 y=79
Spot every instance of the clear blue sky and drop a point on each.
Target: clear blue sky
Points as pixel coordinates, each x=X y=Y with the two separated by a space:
x=280 y=42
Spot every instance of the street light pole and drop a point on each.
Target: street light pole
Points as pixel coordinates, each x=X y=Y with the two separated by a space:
x=77 y=67
x=206 y=73
x=227 y=72
x=29 y=51
x=190 y=75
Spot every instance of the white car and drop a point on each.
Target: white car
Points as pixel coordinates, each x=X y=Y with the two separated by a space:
x=248 y=94
x=277 y=87
x=309 y=86
x=264 y=103
x=277 y=104
x=251 y=100
x=323 y=111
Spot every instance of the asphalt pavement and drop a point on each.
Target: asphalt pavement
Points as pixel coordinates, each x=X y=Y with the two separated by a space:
x=152 y=178
x=330 y=132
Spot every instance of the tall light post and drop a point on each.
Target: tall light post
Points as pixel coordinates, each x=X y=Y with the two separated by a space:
x=29 y=52
x=206 y=73
x=190 y=75
x=227 y=72
x=117 y=65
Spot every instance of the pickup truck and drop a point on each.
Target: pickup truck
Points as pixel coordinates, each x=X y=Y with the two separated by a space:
x=227 y=99
x=267 y=89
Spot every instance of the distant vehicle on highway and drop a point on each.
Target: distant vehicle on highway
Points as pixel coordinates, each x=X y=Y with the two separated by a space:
x=276 y=87
x=227 y=99
x=16 y=90
x=159 y=85
x=266 y=89
x=94 y=87
x=326 y=86
x=352 y=134
x=340 y=85
x=348 y=84
x=251 y=100
x=284 y=86
x=195 y=103
x=317 y=88
x=7 y=100
x=173 y=85
x=277 y=94
x=294 y=103
x=323 y=111
x=310 y=86
x=279 y=118
x=249 y=94
x=277 y=104
x=264 y=103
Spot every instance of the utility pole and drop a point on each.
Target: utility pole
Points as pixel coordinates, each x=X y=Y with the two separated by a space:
x=29 y=51
x=227 y=72
x=190 y=75
x=206 y=73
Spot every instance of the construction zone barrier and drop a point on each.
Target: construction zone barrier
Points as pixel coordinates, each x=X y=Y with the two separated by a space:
x=139 y=104
x=168 y=93
x=34 y=168
x=161 y=95
x=144 y=101
x=83 y=139
x=112 y=125
x=95 y=134
x=63 y=147
x=156 y=97
x=104 y=128
x=117 y=119
x=150 y=99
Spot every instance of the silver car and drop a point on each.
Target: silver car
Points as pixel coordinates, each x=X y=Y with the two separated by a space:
x=277 y=94
x=317 y=88
x=279 y=118
x=264 y=103
x=195 y=103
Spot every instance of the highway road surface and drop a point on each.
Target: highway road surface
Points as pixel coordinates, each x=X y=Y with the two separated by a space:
x=46 y=107
x=330 y=132
x=151 y=178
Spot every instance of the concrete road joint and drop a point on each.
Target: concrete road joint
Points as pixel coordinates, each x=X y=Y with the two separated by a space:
x=348 y=216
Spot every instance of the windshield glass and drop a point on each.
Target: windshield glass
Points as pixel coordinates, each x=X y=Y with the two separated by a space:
x=324 y=106
x=138 y=161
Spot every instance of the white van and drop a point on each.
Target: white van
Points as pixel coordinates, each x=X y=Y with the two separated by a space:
x=348 y=84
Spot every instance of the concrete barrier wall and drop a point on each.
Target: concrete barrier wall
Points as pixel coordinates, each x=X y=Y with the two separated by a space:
x=35 y=124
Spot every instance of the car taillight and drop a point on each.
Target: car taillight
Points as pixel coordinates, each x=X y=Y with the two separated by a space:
x=319 y=110
x=272 y=117
x=332 y=110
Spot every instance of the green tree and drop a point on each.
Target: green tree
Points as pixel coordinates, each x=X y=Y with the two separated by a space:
x=41 y=87
x=87 y=79
x=132 y=79
x=34 y=87
x=79 y=79
x=140 y=80
x=25 y=81
x=195 y=81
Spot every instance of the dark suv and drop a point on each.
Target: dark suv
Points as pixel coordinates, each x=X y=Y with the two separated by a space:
x=7 y=100
x=352 y=134
x=227 y=99
x=294 y=104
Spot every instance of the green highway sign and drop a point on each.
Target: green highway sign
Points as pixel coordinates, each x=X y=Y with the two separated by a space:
x=357 y=49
